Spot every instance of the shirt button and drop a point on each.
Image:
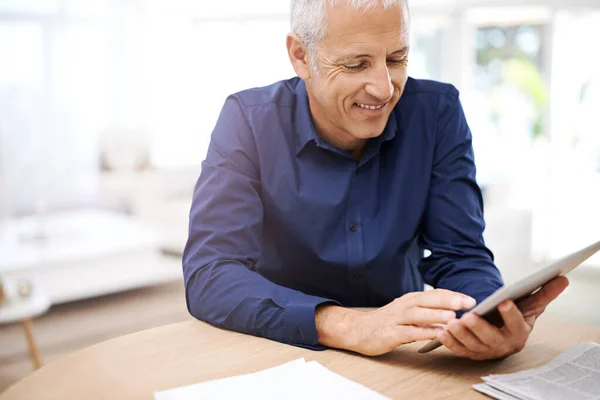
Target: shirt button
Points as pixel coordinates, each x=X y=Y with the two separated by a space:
x=353 y=227
x=357 y=277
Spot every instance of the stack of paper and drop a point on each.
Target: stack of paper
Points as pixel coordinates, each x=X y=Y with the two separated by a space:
x=573 y=374
x=294 y=380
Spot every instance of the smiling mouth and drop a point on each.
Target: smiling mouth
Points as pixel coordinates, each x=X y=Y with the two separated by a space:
x=368 y=107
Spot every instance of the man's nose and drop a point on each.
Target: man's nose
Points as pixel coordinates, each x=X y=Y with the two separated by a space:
x=380 y=84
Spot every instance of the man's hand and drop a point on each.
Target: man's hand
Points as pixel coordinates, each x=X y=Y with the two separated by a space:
x=407 y=319
x=474 y=338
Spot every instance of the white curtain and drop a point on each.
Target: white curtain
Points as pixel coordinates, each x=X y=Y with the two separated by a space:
x=53 y=103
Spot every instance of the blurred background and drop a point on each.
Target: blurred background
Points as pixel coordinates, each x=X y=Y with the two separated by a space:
x=106 y=110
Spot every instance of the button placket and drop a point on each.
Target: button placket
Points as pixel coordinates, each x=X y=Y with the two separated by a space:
x=354 y=225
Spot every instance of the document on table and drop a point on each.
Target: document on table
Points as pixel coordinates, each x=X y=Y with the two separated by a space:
x=294 y=380
x=573 y=374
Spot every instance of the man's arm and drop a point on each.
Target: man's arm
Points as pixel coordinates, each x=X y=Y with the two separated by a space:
x=453 y=225
x=224 y=244
x=453 y=231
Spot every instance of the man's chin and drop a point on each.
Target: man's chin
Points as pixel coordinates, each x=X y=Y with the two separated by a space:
x=367 y=131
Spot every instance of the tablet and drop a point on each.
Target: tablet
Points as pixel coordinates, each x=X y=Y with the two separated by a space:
x=523 y=288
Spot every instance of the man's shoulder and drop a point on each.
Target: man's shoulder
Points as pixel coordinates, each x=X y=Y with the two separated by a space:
x=429 y=87
x=281 y=93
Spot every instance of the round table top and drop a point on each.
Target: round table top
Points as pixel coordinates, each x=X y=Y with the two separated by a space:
x=16 y=308
x=134 y=366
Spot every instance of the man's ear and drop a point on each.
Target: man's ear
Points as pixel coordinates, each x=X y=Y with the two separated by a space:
x=299 y=56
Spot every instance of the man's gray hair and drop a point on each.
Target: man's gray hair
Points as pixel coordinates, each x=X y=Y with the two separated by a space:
x=309 y=18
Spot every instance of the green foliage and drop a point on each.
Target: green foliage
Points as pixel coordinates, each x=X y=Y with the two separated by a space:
x=525 y=76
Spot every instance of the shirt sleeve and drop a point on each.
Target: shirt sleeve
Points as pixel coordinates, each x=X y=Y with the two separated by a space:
x=224 y=243
x=453 y=224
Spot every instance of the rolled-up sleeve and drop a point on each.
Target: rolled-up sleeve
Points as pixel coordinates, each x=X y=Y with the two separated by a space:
x=453 y=224
x=222 y=285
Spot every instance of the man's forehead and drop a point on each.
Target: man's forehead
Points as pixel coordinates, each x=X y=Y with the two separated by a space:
x=356 y=42
x=353 y=52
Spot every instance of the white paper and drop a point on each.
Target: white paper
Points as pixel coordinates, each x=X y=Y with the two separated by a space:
x=294 y=380
x=493 y=392
x=573 y=374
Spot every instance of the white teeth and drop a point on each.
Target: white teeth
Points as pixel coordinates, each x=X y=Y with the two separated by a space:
x=370 y=107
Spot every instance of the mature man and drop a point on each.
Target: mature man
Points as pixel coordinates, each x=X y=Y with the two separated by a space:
x=320 y=193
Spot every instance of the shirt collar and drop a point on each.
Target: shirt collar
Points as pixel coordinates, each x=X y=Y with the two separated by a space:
x=305 y=128
x=303 y=124
x=390 y=129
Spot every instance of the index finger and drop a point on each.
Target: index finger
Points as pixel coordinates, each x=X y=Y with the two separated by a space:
x=444 y=299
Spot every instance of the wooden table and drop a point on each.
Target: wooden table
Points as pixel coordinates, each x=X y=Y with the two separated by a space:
x=133 y=366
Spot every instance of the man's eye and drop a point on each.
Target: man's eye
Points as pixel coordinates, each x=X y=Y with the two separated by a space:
x=355 y=67
x=402 y=61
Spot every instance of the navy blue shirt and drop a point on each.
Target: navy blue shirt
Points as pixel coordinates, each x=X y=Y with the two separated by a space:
x=282 y=221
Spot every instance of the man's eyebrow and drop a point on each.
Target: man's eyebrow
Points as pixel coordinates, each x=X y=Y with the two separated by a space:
x=403 y=50
x=350 y=57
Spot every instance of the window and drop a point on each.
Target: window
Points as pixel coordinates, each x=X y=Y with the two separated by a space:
x=54 y=96
x=509 y=101
x=22 y=106
x=569 y=216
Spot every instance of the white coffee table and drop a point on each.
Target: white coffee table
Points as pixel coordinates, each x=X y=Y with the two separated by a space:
x=23 y=308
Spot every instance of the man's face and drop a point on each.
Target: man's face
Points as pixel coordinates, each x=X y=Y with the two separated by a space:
x=362 y=71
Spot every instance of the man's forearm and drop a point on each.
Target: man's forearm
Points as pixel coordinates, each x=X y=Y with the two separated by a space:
x=335 y=326
x=409 y=318
x=229 y=295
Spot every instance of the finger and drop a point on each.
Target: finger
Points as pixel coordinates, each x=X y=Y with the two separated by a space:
x=454 y=346
x=443 y=299
x=487 y=333
x=464 y=336
x=425 y=316
x=537 y=303
x=408 y=333
x=518 y=330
